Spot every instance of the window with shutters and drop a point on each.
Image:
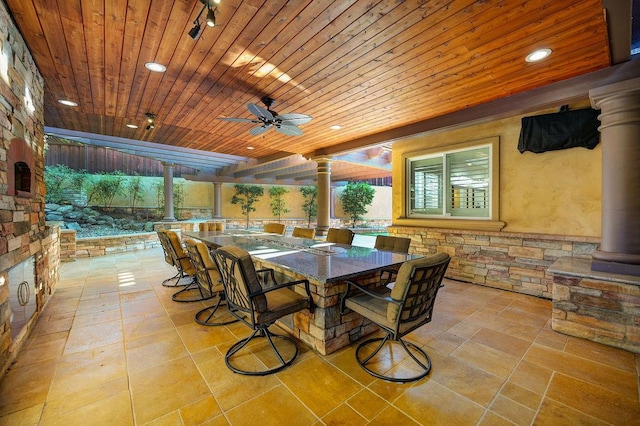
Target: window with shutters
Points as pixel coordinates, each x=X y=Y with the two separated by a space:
x=455 y=183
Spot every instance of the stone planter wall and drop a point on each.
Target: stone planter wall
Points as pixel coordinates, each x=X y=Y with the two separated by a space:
x=73 y=248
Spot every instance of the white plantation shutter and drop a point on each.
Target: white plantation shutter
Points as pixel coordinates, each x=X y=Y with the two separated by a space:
x=451 y=184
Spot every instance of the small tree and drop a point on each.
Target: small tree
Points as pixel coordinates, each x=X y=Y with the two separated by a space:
x=104 y=189
x=356 y=197
x=246 y=196
x=277 y=201
x=310 y=205
x=135 y=187
x=159 y=187
x=178 y=198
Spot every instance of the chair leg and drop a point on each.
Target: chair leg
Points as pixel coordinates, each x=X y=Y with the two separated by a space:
x=177 y=277
x=261 y=333
x=210 y=311
x=188 y=290
x=424 y=365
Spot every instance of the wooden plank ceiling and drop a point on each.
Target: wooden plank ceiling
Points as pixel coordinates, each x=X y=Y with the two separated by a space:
x=368 y=66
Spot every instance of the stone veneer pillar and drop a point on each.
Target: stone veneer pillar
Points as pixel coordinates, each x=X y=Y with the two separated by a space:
x=168 y=192
x=324 y=194
x=620 y=137
x=217 y=200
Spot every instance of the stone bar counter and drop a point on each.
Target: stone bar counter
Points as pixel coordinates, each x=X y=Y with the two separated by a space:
x=326 y=266
x=598 y=306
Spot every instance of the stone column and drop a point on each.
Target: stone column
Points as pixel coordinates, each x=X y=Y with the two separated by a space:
x=324 y=194
x=217 y=200
x=620 y=137
x=168 y=192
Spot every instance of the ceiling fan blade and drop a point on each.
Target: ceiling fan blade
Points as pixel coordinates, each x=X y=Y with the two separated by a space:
x=260 y=112
x=258 y=130
x=289 y=129
x=237 y=120
x=295 y=119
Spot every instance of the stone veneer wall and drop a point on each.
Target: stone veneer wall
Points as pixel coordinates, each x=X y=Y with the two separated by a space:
x=24 y=232
x=594 y=305
x=72 y=248
x=506 y=260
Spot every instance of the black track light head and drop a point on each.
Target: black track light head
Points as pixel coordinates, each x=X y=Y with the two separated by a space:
x=194 y=32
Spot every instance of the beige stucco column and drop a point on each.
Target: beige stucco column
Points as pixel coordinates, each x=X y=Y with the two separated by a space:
x=324 y=194
x=620 y=137
x=217 y=200
x=168 y=192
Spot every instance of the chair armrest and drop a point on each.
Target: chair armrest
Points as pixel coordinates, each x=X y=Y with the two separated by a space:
x=312 y=305
x=366 y=291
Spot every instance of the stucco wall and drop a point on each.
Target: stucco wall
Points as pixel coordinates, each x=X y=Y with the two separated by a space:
x=200 y=195
x=556 y=192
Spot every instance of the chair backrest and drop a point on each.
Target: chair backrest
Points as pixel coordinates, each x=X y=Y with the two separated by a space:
x=240 y=280
x=416 y=287
x=166 y=246
x=340 y=236
x=208 y=276
x=180 y=258
x=304 y=232
x=275 y=228
x=396 y=244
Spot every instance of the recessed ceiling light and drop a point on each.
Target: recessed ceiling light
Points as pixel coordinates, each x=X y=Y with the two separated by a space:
x=538 y=55
x=250 y=147
x=132 y=126
x=67 y=102
x=155 y=67
x=336 y=127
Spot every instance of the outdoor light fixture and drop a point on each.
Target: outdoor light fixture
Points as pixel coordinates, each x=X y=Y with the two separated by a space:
x=211 y=18
x=194 y=32
x=210 y=5
x=151 y=121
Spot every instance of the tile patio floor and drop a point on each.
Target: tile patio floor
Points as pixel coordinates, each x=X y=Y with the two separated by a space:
x=112 y=348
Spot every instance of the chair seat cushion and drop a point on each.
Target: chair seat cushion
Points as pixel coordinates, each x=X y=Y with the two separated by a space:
x=370 y=307
x=281 y=302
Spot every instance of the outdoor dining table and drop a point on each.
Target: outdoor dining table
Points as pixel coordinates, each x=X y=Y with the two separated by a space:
x=326 y=266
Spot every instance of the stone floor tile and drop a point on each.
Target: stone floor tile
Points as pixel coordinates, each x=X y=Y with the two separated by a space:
x=442 y=406
x=161 y=389
x=595 y=401
x=287 y=411
x=319 y=385
x=343 y=415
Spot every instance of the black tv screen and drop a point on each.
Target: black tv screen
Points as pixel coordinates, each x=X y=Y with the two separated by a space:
x=560 y=130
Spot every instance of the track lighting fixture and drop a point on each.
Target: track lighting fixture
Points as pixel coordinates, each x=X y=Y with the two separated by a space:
x=151 y=121
x=211 y=6
x=211 y=18
x=194 y=32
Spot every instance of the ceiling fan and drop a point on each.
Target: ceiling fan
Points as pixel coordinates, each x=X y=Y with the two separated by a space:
x=266 y=118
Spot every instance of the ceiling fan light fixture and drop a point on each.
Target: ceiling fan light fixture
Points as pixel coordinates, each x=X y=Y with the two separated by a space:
x=538 y=55
x=151 y=121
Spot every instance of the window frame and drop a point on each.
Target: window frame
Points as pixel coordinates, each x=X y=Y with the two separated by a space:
x=490 y=223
